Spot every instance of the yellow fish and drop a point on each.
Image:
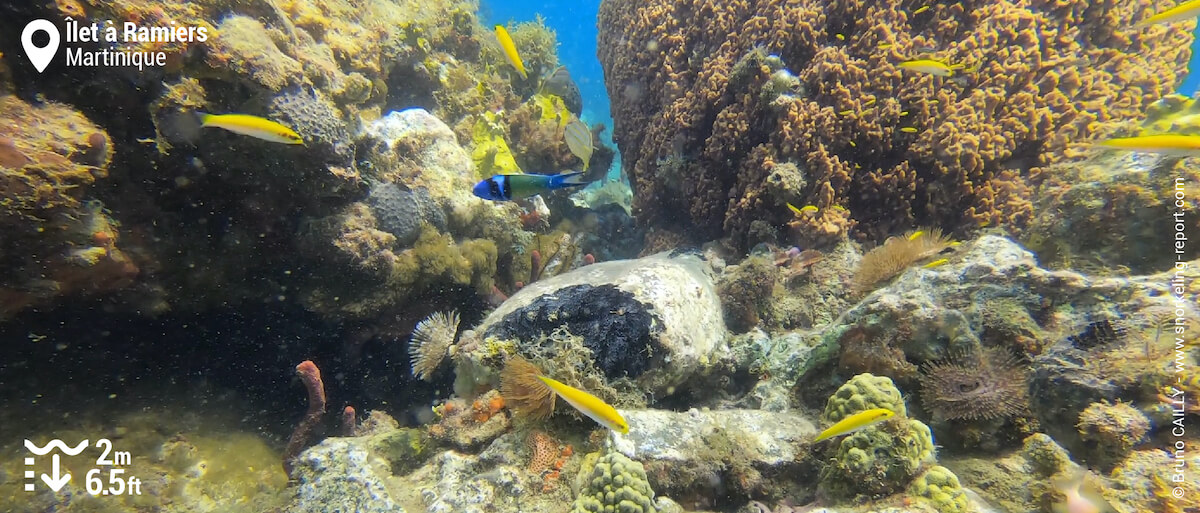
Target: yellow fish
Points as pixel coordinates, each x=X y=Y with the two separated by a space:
x=510 y=50
x=589 y=404
x=936 y=263
x=806 y=210
x=1184 y=11
x=930 y=66
x=579 y=140
x=921 y=9
x=916 y=234
x=1169 y=144
x=855 y=422
x=908 y=130
x=252 y=126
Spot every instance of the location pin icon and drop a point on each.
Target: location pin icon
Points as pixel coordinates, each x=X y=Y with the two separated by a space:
x=40 y=57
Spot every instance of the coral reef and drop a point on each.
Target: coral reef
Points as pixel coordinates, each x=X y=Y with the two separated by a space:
x=614 y=483
x=941 y=488
x=893 y=147
x=881 y=459
x=1110 y=431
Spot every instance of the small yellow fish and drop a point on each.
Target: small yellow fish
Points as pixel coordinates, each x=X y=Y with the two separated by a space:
x=908 y=130
x=869 y=102
x=916 y=234
x=936 y=263
x=846 y=112
x=794 y=209
x=840 y=37
x=252 y=126
x=510 y=50
x=1169 y=144
x=1184 y=11
x=855 y=422
x=930 y=66
x=579 y=140
x=921 y=9
x=589 y=405
x=903 y=113
x=809 y=209
x=852 y=145
x=885 y=46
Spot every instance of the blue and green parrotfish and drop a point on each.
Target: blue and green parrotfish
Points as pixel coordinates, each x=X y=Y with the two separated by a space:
x=511 y=187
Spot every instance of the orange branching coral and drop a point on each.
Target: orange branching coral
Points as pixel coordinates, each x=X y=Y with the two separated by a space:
x=526 y=393
x=704 y=112
x=895 y=255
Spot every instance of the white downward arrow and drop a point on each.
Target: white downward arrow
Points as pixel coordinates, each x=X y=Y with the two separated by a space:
x=57 y=482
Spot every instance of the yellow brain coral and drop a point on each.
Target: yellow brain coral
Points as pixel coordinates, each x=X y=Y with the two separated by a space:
x=699 y=135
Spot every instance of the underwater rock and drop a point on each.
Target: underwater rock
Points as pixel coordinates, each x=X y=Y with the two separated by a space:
x=341 y=474
x=686 y=452
x=400 y=211
x=656 y=320
x=315 y=118
x=418 y=150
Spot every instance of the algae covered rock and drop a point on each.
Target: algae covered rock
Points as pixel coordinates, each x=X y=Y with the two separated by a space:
x=614 y=484
x=654 y=320
x=1110 y=431
x=341 y=474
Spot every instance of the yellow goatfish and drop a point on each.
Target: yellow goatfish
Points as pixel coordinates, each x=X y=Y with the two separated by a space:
x=1168 y=144
x=589 y=404
x=252 y=126
x=930 y=66
x=1184 y=11
x=855 y=422
x=510 y=50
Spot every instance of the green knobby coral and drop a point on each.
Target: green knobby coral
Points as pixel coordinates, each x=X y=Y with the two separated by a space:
x=941 y=488
x=879 y=460
x=863 y=392
x=615 y=484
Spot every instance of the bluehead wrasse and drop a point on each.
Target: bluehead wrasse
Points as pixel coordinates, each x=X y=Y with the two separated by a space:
x=936 y=263
x=510 y=50
x=795 y=210
x=1184 y=11
x=908 y=130
x=1168 y=144
x=915 y=235
x=929 y=66
x=921 y=9
x=903 y=113
x=846 y=112
x=589 y=405
x=809 y=209
x=253 y=126
x=840 y=37
x=855 y=422
x=510 y=187
x=852 y=145
x=955 y=244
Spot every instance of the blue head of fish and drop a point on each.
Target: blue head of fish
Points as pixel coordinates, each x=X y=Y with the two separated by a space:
x=491 y=189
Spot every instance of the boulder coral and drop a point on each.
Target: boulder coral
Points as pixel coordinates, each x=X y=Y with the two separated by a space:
x=897 y=148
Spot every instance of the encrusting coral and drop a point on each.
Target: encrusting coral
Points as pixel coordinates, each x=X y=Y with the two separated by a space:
x=896 y=148
x=614 y=483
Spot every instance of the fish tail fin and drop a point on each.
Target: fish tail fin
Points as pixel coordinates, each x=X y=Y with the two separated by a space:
x=202 y=117
x=565 y=180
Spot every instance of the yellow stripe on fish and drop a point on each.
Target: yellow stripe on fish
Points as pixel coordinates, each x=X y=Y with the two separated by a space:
x=579 y=140
x=855 y=422
x=936 y=263
x=1184 y=11
x=510 y=50
x=1169 y=144
x=589 y=405
x=252 y=126
x=930 y=66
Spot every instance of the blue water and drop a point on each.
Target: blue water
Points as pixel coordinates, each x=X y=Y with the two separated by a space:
x=1190 y=83
x=575 y=24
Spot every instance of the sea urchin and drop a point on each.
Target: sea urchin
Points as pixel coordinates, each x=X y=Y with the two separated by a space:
x=984 y=384
x=431 y=340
